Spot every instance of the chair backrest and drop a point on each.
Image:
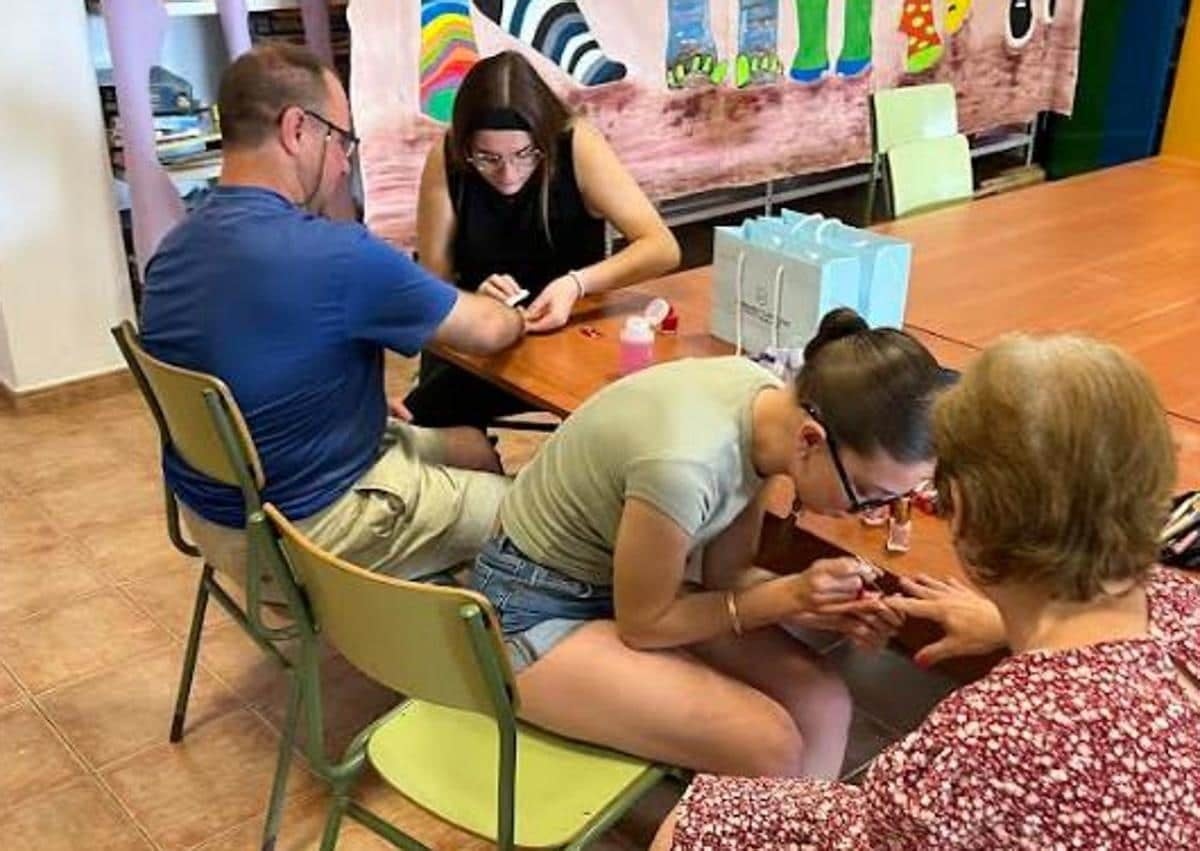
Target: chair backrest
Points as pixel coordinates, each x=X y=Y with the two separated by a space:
x=414 y=638
x=178 y=398
x=929 y=173
x=911 y=113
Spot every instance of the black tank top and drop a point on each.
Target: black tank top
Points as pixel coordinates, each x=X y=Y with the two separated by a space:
x=498 y=234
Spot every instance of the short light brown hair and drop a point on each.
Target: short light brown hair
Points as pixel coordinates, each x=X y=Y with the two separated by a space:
x=1064 y=463
x=261 y=84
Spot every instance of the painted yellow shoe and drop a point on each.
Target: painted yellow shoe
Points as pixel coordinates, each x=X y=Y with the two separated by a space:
x=957 y=12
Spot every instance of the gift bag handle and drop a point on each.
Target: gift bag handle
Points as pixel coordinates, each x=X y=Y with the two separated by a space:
x=741 y=268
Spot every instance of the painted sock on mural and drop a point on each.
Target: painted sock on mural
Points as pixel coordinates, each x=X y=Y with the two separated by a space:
x=559 y=31
x=1018 y=25
x=957 y=12
x=691 y=50
x=758 y=43
x=812 y=56
x=447 y=53
x=855 y=58
x=925 y=46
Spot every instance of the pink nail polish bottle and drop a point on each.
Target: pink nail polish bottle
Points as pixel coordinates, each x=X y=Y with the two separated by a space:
x=637 y=345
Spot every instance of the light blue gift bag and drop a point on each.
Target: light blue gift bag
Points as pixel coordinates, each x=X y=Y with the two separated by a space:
x=769 y=293
x=884 y=267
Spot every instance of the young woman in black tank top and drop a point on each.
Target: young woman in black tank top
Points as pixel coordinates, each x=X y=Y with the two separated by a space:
x=517 y=197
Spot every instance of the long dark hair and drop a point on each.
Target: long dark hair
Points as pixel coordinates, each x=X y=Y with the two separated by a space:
x=507 y=81
x=874 y=387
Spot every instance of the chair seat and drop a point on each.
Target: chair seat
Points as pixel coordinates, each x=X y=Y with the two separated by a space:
x=446 y=761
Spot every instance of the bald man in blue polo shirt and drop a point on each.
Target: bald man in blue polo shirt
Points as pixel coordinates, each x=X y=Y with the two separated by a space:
x=293 y=311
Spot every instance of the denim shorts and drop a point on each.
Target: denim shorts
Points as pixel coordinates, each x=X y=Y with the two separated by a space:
x=537 y=605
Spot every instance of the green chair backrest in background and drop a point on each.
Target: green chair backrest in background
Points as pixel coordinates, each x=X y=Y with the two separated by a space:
x=911 y=113
x=904 y=115
x=929 y=173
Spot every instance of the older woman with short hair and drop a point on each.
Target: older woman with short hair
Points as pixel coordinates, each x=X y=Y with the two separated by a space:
x=1055 y=463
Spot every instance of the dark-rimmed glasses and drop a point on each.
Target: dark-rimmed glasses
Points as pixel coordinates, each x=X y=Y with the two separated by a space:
x=857 y=505
x=346 y=138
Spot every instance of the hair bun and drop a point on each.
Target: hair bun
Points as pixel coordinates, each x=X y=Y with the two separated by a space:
x=836 y=324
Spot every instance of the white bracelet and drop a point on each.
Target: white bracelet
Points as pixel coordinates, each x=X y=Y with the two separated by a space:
x=574 y=276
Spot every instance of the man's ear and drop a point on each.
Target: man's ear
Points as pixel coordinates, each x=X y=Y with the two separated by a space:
x=291 y=127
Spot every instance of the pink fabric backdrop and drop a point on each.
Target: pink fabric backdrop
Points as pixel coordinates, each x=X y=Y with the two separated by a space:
x=684 y=141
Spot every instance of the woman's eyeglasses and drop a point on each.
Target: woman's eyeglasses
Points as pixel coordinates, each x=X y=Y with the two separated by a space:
x=857 y=506
x=523 y=160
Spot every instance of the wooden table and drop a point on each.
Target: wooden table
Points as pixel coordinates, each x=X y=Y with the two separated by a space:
x=1110 y=254
x=557 y=372
x=1114 y=254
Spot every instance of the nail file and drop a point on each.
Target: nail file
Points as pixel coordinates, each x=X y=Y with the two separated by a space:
x=516 y=298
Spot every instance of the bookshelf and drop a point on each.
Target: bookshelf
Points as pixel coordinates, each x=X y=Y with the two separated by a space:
x=194 y=49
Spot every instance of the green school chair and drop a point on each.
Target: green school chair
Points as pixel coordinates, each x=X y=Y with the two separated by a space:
x=455 y=747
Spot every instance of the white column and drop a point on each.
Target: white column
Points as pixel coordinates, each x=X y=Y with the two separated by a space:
x=63 y=280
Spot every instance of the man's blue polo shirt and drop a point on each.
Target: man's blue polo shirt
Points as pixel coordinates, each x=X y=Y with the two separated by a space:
x=292 y=311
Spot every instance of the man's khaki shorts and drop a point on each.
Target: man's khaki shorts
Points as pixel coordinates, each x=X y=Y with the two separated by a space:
x=409 y=516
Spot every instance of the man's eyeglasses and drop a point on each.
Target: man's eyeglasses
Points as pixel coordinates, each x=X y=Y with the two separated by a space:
x=857 y=506
x=525 y=159
x=346 y=138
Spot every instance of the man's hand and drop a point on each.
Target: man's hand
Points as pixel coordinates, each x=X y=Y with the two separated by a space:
x=552 y=308
x=971 y=621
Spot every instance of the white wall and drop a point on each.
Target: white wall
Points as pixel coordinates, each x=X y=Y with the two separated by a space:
x=63 y=281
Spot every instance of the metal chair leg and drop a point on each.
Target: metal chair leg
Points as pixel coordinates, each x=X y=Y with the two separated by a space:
x=333 y=823
x=284 y=762
x=191 y=653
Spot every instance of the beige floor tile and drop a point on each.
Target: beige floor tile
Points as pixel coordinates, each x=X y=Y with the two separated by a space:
x=253 y=675
x=43 y=577
x=18 y=431
x=35 y=760
x=169 y=596
x=129 y=549
x=10 y=691
x=78 y=816
x=300 y=830
x=70 y=458
x=127 y=708
x=209 y=783
x=25 y=527
x=121 y=494
x=76 y=639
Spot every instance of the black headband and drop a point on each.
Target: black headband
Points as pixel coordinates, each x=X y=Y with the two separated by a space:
x=500 y=118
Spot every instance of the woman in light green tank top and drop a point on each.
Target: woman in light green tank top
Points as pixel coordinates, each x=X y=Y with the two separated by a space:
x=613 y=645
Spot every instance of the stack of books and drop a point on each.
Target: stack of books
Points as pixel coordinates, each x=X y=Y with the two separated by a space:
x=187 y=133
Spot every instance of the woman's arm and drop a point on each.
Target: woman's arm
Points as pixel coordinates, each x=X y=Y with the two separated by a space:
x=610 y=193
x=435 y=216
x=648 y=568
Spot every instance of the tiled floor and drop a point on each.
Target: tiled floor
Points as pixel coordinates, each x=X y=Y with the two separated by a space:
x=94 y=605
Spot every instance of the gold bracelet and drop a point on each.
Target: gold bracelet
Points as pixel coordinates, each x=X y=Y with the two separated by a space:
x=734 y=620
x=574 y=276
